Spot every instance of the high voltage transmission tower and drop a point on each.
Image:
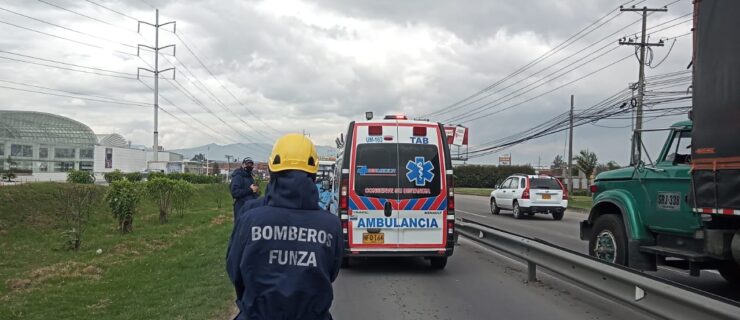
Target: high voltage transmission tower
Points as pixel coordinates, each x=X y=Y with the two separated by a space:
x=156 y=72
x=637 y=138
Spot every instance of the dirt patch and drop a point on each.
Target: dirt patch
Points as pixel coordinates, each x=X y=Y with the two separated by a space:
x=156 y=245
x=101 y=304
x=17 y=284
x=64 y=270
x=183 y=232
x=220 y=219
x=125 y=250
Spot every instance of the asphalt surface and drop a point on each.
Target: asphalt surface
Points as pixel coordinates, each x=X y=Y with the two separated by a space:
x=477 y=284
x=565 y=233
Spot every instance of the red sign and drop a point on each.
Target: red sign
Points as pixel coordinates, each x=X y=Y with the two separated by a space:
x=457 y=135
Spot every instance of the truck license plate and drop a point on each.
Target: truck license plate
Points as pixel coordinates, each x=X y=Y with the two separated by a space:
x=373 y=238
x=546 y=196
x=669 y=201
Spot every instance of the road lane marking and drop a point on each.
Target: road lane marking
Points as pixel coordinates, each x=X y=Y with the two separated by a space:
x=475 y=214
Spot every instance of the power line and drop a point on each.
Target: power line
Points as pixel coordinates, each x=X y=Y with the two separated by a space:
x=84 y=15
x=63 y=38
x=544 y=56
x=192 y=52
x=67 y=28
x=68 y=69
x=111 y=10
x=69 y=96
x=114 y=100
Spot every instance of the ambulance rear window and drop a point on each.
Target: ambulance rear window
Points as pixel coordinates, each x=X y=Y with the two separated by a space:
x=397 y=171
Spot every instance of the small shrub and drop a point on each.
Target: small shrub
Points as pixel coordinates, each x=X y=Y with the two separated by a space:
x=182 y=196
x=156 y=174
x=162 y=191
x=219 y=192
x=82 y=177
x=134 y=176
x=115 y=175
x=122 y=198
x=75 y=204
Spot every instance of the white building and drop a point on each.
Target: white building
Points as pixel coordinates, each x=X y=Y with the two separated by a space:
x=39 y=146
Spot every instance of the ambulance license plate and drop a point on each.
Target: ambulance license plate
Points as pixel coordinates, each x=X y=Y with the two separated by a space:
x=545 y=197
x=373 y=238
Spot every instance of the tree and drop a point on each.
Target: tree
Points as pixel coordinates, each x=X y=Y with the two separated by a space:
x=75 y=203
x=199 y=158
x=587 y=161
x=612 y=165
x=558 y=163
x=123 y=197
x=215 y=170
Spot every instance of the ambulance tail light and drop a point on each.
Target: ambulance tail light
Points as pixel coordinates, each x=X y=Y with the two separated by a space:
x=375 y=130
x=450 y=194
x=343 y=195
x=450 y=226
x=345 y=226
x=525 y=194
x=420 y=131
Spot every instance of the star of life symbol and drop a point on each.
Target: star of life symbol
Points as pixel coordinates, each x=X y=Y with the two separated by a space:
x=419 y=171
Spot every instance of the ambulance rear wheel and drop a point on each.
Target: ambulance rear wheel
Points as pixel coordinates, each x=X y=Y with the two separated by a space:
x=438 y=263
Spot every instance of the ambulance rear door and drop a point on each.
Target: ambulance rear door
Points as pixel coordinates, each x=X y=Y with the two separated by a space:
x=422 y=186
x=374 y=180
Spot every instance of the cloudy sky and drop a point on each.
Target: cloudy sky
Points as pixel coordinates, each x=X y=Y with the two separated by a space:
x=261 y=68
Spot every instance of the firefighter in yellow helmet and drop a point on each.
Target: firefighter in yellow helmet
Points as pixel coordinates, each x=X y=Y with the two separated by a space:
x=283 y=256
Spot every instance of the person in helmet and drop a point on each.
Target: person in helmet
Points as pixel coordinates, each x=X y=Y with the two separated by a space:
x=284 y=256
x=243 y=187
x=325 y=195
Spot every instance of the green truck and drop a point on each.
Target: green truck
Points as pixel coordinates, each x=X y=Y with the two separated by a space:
x=683 y=209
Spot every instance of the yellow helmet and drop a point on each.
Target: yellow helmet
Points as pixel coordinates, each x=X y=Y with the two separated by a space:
x=294 y=152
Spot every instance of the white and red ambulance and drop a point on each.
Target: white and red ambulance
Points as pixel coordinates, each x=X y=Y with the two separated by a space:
x=396 y=193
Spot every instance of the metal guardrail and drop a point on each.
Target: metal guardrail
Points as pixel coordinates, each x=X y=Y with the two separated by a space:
x=655 y=296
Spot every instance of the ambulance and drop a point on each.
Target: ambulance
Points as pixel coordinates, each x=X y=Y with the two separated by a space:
x=396 y=194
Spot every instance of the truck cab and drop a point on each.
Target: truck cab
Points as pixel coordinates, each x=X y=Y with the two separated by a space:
x=642 y=216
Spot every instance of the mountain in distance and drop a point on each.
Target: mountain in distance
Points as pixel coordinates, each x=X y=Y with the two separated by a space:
x=259 y=152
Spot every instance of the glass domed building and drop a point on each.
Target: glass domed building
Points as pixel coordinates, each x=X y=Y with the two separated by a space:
x=37 y=142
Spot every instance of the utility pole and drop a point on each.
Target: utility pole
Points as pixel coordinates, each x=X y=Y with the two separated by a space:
x=637 y=136
x=570 y=148
x=156 y=72
x=228 y=168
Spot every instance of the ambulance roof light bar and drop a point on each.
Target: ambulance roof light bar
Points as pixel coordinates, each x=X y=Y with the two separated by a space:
x=396 y=117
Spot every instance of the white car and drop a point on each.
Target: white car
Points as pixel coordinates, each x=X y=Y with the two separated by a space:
x=530 y=194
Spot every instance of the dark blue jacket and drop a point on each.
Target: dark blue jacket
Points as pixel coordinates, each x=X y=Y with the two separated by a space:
x=241 y=181
x=284 y=256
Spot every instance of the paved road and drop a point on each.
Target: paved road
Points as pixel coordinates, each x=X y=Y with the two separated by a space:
x=477 y=284
x=565 y=233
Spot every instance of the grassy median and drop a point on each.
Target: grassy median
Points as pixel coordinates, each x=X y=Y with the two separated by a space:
x=159 y=271
x=575 y=202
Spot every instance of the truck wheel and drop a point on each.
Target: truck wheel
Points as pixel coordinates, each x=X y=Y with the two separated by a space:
x=558 y=215
x=730 y=270
x=438 y=263
x=517 y=211
x=494 y=207
x=608 y=240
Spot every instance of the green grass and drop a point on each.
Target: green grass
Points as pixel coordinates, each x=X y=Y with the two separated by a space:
x=160 y=271
x=575 y=202
x=580 y=202
x=474 y=191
